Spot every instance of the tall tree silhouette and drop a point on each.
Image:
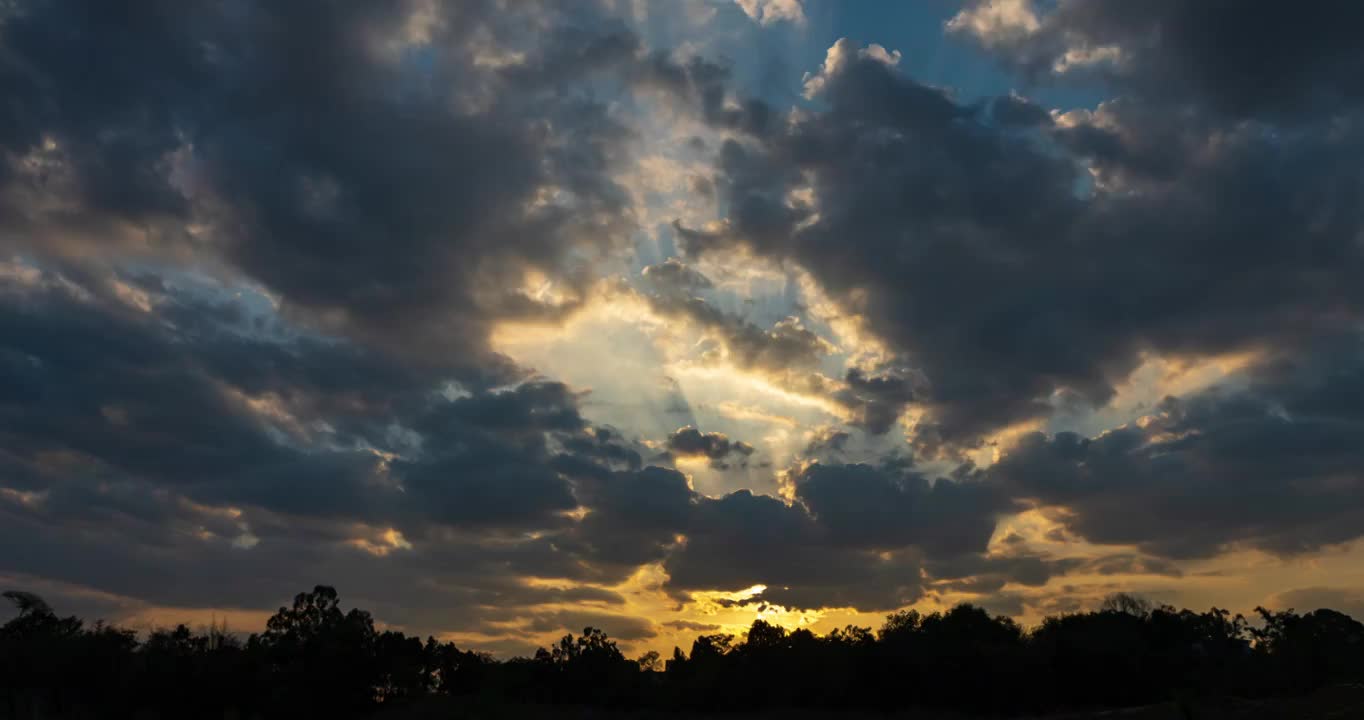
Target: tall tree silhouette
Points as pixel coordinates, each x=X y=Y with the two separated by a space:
x=325 y=658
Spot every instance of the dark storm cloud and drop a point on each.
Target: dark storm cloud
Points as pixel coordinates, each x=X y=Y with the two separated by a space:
x=858 y=536
x=933 y=200
x=635 y=516
x=887 y=507
x=1274 y=465
x=674 y=277
x=1015 y=110
x=990 y=574
x=122 y=494
x=1010 y=286
x=703 y=86
x=147 y=448
x=979 y=574
x=983 y=259
x=174 y=407
x=152 y=476
x=743 y=539
x=878 y=400
x=1241 y=58
x=384 y=180
x=143 y=403
x=447 y=586
x=149 y=462
x=691 y=442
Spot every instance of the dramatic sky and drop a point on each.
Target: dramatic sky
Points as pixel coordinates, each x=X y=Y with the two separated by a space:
x=510 y=317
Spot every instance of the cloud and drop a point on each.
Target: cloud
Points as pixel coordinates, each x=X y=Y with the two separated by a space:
x=1305 y=600
x=995 y=275
x=1126 y=564
x=674 y=277
x=996 y=22
x=211 y=436
x=743 y=539
x=1271 y=465
x=786 y=354
x=1244 y=60
x=290 y=266
x=621 y=627
x=690 y=442
x=877 y=401
x=246 y=296
x=857 y=536
x=786 y=345
x=158 y=458
x=690 y=626
x=770 y=12
x=394 y=188
x=980 y=574
x=884 y=508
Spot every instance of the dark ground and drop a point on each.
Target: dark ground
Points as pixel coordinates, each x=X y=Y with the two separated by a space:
x=1344 y=702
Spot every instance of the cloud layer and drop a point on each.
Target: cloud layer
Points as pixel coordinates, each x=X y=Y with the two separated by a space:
x=254 y=259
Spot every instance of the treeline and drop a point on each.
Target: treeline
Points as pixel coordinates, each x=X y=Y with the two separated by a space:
x=315 y=660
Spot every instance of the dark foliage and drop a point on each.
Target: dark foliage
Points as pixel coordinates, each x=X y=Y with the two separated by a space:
x=315 y=660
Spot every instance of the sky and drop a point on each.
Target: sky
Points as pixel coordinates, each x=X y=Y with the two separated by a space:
x=511 y=318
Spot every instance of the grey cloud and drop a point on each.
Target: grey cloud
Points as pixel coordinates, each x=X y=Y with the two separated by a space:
x=389 y=186
x=877 y=401
x=139 y=468
x=129 y=493
x=827 y=443
x=787 y=344
x=634 y=518
x=689 y=441
x=1308 y=599
x=382 y=184
x=1013 y=110
x=452 y=586
x=152 y=406
x=1005 y=287
x=1125 y=564
x=742 y=539
x=691 y=626
x=981 y=574
x=859 y=536
x=927 y=193
x=622 y=627
x=702 y=86
x=1240 y=58
x=882 y=508
x=673 y=276
x=1271 y=465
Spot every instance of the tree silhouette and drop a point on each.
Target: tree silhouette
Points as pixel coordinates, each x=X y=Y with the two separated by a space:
x=650 y=661
x=327 y=657
x=27 y=603
x=316 y=659
x=1127 y=603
